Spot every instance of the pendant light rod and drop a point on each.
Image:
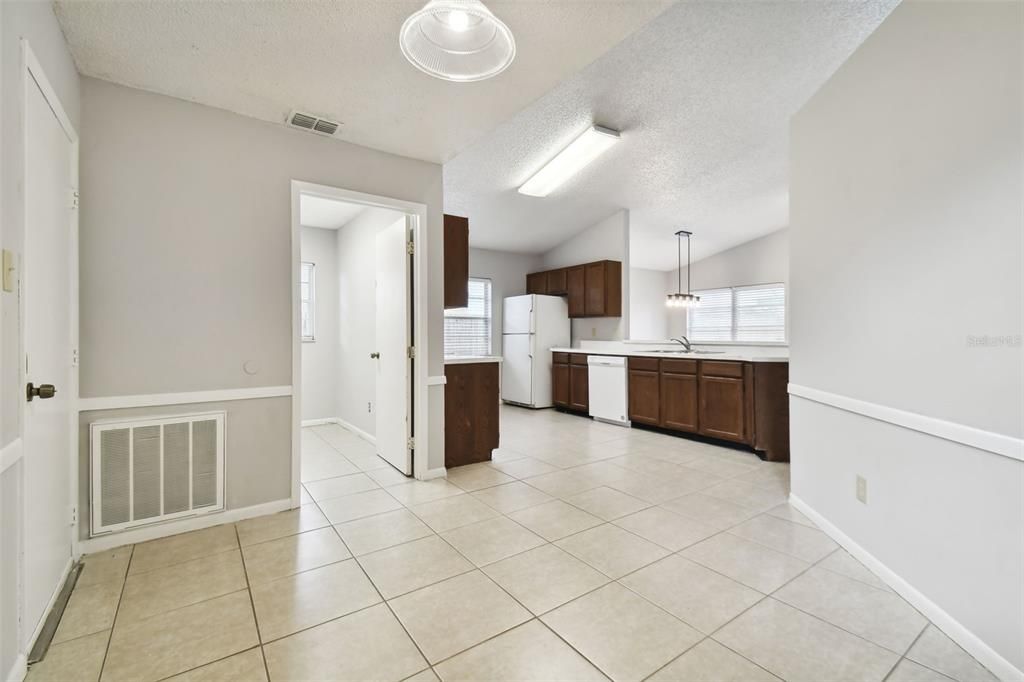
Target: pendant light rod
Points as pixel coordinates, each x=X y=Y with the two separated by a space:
x=679 y=299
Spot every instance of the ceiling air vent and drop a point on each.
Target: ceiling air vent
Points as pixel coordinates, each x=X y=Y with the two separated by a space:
x=314 y=124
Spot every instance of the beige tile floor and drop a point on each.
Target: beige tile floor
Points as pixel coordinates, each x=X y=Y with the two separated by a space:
x=583 y=551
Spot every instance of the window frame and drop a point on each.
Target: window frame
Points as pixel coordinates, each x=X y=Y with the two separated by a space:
x=489 y=317
x=732 y=341
x=311 y=338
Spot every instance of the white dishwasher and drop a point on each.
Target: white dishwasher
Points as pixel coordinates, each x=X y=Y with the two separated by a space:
x=608 y=388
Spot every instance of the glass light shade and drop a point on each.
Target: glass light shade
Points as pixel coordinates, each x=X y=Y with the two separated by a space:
x=457 y=40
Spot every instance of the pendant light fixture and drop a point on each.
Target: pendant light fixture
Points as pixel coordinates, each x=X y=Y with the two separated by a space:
x=457 y=40
x=679 y=299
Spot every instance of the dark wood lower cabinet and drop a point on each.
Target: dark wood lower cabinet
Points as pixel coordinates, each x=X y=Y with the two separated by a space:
x=644 y=397
x=560 y=384
x=679 y=402
x=579 y=388
x=722 y=408
x=470 y=412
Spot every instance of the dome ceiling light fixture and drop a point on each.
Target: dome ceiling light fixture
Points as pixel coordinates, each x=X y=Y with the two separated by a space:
x=679 y=299
x=457 y=40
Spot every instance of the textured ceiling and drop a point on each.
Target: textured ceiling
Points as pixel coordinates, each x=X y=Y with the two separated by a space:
x=339 y=59
x=703 y=95
x=328 y=214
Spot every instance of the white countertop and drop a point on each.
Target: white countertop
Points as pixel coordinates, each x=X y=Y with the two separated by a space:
x=763 y=354
x=470 y=359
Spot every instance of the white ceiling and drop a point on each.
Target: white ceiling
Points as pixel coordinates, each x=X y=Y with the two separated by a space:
x=329 y=214
x=339 y=59
x=703 y=95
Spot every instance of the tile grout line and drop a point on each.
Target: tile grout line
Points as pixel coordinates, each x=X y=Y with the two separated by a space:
x=120 y=598
x=252 y=604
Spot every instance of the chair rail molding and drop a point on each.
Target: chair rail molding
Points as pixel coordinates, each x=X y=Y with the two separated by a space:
x=159 y=399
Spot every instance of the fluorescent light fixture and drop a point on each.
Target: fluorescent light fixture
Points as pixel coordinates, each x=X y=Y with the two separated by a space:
x=591 y=144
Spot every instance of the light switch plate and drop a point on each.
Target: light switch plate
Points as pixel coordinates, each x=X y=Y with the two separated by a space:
x=8 y=266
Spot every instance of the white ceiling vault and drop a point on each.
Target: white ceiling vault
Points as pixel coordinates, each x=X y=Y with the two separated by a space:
x=703 y=95
x=339 y=59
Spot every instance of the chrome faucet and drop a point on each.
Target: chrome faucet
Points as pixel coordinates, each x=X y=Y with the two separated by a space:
x=684 y=342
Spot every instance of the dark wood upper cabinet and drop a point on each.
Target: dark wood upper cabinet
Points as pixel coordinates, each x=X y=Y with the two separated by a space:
x=557 y=284
x=679 y=402
x=644 y=396
x=456 y=261
x=537 y=283
x=579 y=387
x=594 y=289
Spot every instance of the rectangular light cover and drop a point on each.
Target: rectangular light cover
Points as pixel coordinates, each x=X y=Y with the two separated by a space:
x=591 y=144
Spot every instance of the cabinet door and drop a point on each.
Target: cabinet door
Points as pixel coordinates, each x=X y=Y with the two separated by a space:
x=594 y=298
x=679 y=406
x=644 y=400
x=579 y=388
x=456 y=261
x=575 y=279
x=722 y=408
x=560 y=384
x=537 y=283
x=557 y=283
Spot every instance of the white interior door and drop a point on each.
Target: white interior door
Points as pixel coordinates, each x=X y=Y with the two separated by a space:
x=47 y=288
x=394 y=394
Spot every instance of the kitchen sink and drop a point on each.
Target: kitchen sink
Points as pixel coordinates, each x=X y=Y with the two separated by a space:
x=685 y=352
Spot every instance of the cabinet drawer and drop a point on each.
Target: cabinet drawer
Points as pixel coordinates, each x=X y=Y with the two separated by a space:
x=679 y=366
x=578 y=359
x=645 y=364
x=560 y=358
x=722 y=369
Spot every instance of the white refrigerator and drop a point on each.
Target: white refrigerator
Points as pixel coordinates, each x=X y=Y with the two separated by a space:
x=531 y=326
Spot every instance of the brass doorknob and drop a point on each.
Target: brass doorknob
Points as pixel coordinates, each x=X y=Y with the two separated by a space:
x=375 y=356
x=42 y=391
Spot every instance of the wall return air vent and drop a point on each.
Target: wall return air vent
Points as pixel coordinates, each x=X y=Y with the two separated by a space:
x=313 y=123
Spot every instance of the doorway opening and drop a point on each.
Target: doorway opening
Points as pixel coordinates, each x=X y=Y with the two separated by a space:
x=359 y=305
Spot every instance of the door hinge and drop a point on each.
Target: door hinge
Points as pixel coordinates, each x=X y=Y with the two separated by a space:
x=74 y=198
x=74 y=357
x=74 y=516
x=411 y=351
x=411 y=443
x=410 y=248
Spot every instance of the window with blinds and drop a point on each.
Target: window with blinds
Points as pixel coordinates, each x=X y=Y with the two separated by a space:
x=307 y=300
x=748 y=314
x=467 y=331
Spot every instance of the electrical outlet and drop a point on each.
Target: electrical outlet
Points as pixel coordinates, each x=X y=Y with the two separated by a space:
x=862 y=489
x=593 y=332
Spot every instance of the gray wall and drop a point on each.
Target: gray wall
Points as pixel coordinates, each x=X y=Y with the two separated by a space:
x=320 y=356
x=35 y=22
x=507 y=272
x=606 y=240
x=759 y=261
x=906 y=241
x=648 y=316
x=186 y=252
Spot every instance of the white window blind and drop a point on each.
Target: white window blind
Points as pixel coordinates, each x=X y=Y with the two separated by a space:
x=467 y=331
x=748 y=314
x=307 y=299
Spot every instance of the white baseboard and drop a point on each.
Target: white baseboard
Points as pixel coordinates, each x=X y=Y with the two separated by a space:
x=162 y=530
x=970 y=642
x=18 y=670
x=439 y=472
x=356 y=430
x=319 y=422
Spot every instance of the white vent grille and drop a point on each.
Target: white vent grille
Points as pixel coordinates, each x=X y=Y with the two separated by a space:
x=150 y=470
x=313 y=123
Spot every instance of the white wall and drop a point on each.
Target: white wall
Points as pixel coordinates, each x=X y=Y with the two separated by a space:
x=606 y=240
x=507 y=272
x=320 y=356
x=35 y=22
x=186 y=258
x=906 y=242
x=759 y=261
x=356 y=384
x=648 y=316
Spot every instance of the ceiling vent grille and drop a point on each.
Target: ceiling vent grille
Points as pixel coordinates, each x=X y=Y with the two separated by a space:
x=313 y=123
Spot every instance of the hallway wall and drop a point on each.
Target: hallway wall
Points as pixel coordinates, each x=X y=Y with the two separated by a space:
x=320 y=356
